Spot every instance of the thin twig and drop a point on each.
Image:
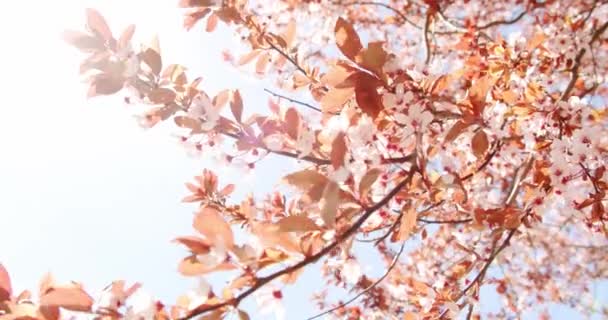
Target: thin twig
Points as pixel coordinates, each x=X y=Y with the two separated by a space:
x=371 y=286
x=293 y=100
x=445 y=221
x=308 y=260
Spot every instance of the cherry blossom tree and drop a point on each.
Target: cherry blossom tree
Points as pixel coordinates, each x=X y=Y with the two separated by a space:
x=463 y=141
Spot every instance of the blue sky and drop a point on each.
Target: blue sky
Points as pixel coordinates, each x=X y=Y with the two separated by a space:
x=86 y=193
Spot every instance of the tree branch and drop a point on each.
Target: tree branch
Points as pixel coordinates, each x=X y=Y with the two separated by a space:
x=308 y=260
x=577 y=61
x=371 y=286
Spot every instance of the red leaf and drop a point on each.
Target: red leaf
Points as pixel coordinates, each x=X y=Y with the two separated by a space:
x=152 y=58
x=212 y=225
x=162 y=95
x=369 y=100
x=6 y=291
x=292 y=123
x=193 y=17
x=104 y=84
x=347 y=39
x=126 y=36
x=211 y=22
x=82 y=41
x=74 y=299
x=97 y=24
x=236 y=106
x=480 y=143
x=196 y=3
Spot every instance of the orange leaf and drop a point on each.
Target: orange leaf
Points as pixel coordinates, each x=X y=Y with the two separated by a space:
x=480 y=143
x=292 y=123
x=290 y=33
x=74 y=299
x=305 y=179
x=407 y=224
x=338 y=151
x=269 y=235
x=329 y=203
x=191 y=266
x=6 y=290
x=335 y=98
x=373 y=57
x=297 y=223
x=195 y=244
x=260 y=65
x=212 y=225
x=347 y=39
x=456 y=130
x=245 y=59
x=479 y=91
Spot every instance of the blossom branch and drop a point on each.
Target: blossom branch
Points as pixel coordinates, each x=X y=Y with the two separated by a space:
x=311 y=259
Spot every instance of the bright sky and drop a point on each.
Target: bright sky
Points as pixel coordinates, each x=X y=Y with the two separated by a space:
x=84 y=192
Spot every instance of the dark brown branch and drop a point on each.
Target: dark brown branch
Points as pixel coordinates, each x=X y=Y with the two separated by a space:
x=445 y=221
x=308 y=260
x=485 y=163
x=502 y=21
x=370 y=287
x=577 y=61
x=384 y=5
x=289 y=58
x=427 y=41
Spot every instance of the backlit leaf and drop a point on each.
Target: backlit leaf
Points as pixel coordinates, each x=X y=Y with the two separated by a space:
x=210 y=223
x=297 y=223
x=72 y=298
x=368 y=180
x=338 y=150
x=97 y=24
x=236 y=105
x=6 y=290
x=347 y=39
x=329 y=203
